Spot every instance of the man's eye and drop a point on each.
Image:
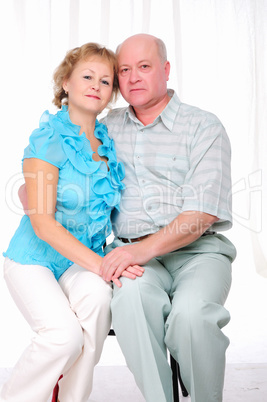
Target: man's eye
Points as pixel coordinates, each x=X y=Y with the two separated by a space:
x=124 y=70
x=144 y=66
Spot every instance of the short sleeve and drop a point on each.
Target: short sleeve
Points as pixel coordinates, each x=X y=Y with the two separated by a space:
x=208 y=182
x=46 y=143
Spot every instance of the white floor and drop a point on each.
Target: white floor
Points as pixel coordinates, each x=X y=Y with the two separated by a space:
x=243 y=383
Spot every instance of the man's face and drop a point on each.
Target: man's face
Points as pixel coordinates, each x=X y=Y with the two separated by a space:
x=142 y=75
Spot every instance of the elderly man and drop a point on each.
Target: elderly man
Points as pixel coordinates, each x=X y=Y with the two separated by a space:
x=177 y=198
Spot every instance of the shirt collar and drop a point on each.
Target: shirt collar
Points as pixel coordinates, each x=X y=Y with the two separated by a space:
x=167 y=116
x=129 y=114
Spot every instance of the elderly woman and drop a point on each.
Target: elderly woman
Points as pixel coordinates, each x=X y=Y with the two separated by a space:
x=52 y=264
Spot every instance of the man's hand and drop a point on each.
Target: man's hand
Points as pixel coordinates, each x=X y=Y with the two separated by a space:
x=123 y=260
x=183 y=230
x=131 y=272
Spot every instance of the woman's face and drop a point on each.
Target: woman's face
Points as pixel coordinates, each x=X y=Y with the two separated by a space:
x=90 y=86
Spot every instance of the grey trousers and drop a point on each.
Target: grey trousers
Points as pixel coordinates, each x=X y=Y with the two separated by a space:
x=177 y=305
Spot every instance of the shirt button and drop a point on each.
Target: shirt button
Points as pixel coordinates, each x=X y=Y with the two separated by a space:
x=138 y=157
x=174 y=158
x=142 y=131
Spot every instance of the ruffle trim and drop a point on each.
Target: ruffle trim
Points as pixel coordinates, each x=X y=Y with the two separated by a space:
x=106 y=182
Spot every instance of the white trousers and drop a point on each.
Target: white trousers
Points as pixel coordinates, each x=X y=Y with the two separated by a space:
x=71 y=319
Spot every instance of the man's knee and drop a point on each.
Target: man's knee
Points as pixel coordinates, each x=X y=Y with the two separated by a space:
x=148 y=284
x=143 y=298
x=126 y=293
x=195 y=319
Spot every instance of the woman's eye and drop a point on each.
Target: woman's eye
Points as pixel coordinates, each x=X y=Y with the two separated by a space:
x=105 y=82
x=87 y=77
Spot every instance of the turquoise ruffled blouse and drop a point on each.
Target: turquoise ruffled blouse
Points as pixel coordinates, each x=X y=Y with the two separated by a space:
x=87 y=191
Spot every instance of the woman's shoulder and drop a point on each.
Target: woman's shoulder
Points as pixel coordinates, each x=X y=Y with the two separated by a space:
x=46 y=141
x=56 y=125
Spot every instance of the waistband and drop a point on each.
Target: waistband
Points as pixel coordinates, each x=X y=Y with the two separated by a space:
x=126 y=240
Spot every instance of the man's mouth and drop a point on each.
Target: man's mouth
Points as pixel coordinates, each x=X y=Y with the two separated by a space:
x=136 y=89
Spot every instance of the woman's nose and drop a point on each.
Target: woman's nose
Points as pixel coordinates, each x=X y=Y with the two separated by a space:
x=95 y=86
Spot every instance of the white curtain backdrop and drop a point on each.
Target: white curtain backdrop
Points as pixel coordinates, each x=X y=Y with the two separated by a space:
x=217 y=50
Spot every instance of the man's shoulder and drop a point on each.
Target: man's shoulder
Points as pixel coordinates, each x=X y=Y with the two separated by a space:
x=114 y=121
x=199 y=114
x=114 y=115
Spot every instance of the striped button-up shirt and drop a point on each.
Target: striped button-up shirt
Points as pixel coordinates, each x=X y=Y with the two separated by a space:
x=180 y=162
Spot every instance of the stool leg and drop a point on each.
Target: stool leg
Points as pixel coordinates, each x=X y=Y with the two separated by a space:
x=175 y=386
x=184 y=390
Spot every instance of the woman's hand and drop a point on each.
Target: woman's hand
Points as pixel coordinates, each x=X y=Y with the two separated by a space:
x=123 y=261
x=130 y=272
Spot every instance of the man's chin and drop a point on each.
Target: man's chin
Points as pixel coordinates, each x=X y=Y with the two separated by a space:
x=135 y=98
x=136 y=101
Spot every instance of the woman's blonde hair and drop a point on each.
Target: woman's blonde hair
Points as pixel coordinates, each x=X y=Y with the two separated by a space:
x=64 y=70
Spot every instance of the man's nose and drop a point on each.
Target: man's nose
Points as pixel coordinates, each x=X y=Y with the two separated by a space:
x=134 y=76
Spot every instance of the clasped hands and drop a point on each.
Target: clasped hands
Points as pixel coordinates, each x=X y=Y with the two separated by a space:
x=123 y=261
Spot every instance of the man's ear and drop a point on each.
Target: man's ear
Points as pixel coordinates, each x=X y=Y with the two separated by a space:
x=167 y=68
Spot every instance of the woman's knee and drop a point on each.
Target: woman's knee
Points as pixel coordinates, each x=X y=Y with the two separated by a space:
x=103 y=294
x=98 y=299
x=66 y=339
x=87 y=292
